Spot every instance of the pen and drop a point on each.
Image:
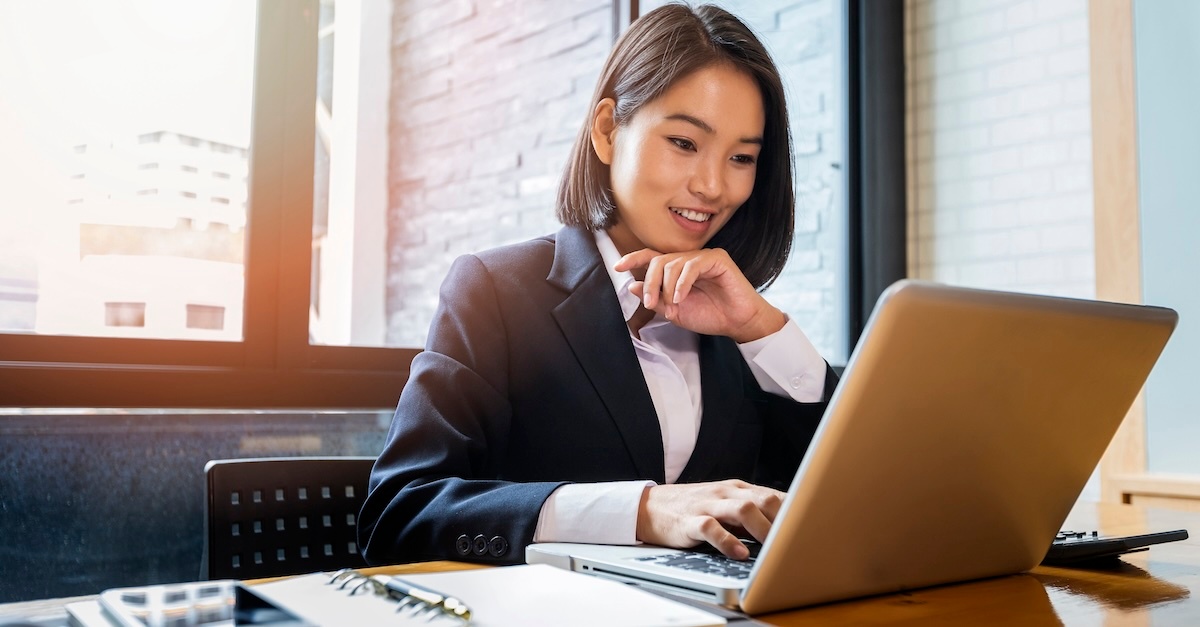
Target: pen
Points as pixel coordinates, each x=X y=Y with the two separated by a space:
x=401 y=589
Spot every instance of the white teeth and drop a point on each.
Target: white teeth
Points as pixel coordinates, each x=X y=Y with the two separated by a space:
x=694 y=216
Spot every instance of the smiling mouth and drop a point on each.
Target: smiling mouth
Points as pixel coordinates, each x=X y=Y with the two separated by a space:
x=694 y=216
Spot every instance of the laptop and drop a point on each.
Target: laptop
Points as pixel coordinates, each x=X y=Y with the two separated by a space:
x=965 y=426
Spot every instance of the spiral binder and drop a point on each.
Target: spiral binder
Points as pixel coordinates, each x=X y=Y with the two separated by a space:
x=417 y=601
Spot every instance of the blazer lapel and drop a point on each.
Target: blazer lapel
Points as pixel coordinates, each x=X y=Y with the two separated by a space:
x=721 y=393
x=590 y=319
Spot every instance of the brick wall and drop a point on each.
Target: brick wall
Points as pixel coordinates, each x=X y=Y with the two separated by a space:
x=999 y=141
x=486 y=99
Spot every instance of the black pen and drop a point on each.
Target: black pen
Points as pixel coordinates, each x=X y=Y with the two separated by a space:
x=401 y=589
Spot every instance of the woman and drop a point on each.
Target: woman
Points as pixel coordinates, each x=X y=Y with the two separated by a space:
x=623 y=380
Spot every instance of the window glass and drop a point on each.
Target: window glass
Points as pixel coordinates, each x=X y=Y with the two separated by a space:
x=1165 y=38
x=124 y=166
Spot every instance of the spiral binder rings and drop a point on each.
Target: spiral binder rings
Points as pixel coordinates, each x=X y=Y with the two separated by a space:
x=422 y=602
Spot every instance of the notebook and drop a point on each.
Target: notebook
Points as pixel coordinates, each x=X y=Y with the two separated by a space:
x=965 y=427
x=524 y=596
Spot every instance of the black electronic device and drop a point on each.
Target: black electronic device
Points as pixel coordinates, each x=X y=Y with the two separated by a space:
x=1074 y=547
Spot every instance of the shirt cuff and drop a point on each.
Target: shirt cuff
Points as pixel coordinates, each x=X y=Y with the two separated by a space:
x=786 y=363
x=593 y=513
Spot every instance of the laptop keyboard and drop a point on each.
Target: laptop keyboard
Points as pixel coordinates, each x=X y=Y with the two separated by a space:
x=718 y=565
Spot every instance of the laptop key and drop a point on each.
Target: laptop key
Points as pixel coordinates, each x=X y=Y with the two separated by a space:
x=718 y=565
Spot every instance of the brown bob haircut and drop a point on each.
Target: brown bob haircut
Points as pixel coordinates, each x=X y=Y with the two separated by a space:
x=660 y=48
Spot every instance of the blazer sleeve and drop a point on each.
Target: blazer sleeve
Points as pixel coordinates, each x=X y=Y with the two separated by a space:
x=788 y=429
x=435 y=491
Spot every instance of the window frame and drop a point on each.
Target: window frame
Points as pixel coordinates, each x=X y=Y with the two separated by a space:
x=876 y=201
x=274 y=366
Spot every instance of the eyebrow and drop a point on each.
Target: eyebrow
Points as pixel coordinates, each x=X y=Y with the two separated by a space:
x=704 y=126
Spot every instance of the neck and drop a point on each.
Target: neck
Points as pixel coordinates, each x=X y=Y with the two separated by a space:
x=626 y=243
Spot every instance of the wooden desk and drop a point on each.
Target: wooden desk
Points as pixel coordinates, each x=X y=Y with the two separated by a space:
x=1160 y=587
x=1156 y=587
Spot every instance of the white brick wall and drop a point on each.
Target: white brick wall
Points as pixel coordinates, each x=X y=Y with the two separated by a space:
x=999 y=144
x=486 y=99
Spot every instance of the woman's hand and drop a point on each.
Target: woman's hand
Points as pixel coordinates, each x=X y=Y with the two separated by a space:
x=686 y=514
x=703 y=291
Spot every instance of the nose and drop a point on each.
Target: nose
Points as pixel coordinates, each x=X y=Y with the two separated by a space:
x=707 y=180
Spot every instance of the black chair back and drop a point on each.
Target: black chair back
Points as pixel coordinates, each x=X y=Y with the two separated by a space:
x=268 y=517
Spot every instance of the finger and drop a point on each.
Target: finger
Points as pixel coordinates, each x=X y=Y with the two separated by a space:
x=672 y=271
x=713 y=532
x=636 y=259
x=652 y=285
x=688 y=275
x=770 y=503
x=747 y=515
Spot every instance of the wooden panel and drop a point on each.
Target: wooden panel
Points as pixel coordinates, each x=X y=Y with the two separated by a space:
x=1135 y=485
x=1166 y=502
x=1115 y=190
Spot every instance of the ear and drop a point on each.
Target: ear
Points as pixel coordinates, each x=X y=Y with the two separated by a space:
x=604 y=130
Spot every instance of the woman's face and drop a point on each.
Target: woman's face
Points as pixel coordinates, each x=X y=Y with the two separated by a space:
x=684 y=162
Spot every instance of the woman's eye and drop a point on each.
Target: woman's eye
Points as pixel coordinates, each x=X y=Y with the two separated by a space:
x=685 y=144
x=745 y=159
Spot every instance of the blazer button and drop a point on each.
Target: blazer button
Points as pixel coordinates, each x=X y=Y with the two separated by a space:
x=480 y=545
x=497 y=547
x=463 y=545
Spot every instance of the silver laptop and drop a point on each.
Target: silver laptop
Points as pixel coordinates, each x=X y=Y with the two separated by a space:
x=964 y=429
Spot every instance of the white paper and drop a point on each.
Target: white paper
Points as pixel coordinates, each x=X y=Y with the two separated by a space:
x=534 y=595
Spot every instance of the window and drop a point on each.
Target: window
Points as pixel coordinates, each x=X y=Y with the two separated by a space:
x=124 y=314
x=205 y=317
x=129 y=84
x=318 y=295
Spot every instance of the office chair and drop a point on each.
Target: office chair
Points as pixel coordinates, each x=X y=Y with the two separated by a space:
x=269 y=517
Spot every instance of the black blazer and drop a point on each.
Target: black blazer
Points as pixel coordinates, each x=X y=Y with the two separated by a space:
x=529 y=380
